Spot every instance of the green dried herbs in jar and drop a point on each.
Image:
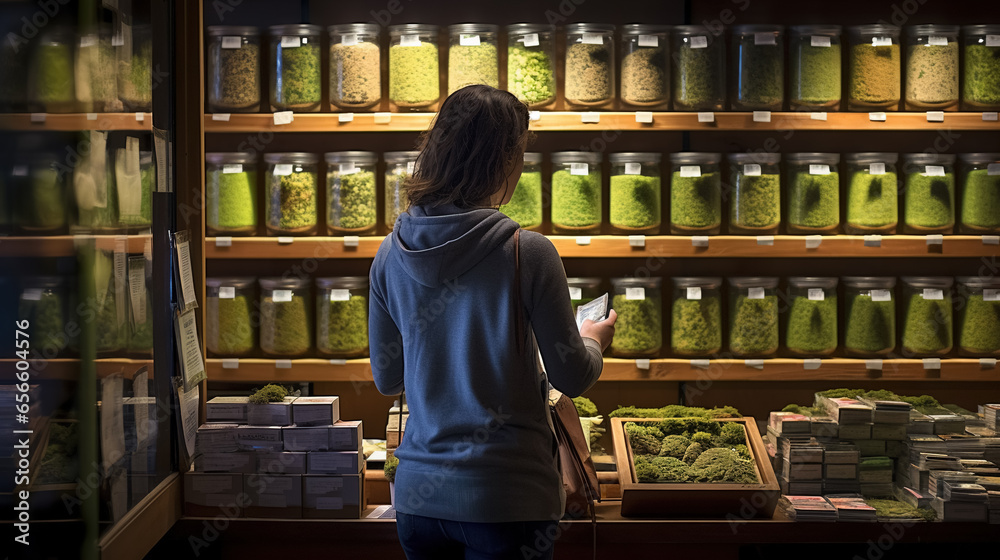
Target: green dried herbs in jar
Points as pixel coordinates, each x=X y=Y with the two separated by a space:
x=295 y=68
x=696 y=326
x=981 y=67
x=40 y=190
x=52 y=72
x=43 y=303
x=399 y=166
x=342 y=316
x=135 y=69
x=286 y=310
x=755 y=201
x=233 y=73
x=811 y=323
x=979 y=316
x=230 y=193
x=929 y=195
x=695 y=193
x=531 y=70
x=874 y=73
x=472 y=55
x=932 y=67
x=758 y=82
x=645 y=66
x=350 y=193
x=525 y=206
x=927 y=321
x=872 y=201
x=590 y=65
x=980 y=193
x=414 y=81
x=639 y=304
x=814 y=67
x=576 y=193
x=753 y=317
x=110 y=321
x=291 y=193
x=699 y=69
x=813 y=193
x=231 y=317
x=869 y=316
x=96 y=80
x=635 y=193
x=355 y=66
x=583 y=291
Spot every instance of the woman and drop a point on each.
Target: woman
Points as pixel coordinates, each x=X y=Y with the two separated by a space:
x=477 y=475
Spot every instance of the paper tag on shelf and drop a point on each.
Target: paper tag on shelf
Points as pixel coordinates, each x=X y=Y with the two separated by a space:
x=351 y=240
x=575 y=293
x=876 y=117
x=31 y=294
x=694 y=293
x=91 y=40
x=881 y=295
x=990 y=294
x=987 y=363
x=468 y=40
x=642 y=364
x=990 y=116
x=649 y=41
x=283 y=364
x=348 y=168
x=819 y=41
x=286 y=240
x=756 y=364
x=755 y=293
x=811 y=363
x=345 y=117
x=932 y=363
x=633 y=168
x=579 y=169
x=881 y=41
x=991 y=240
x=701 y=364
x=230 y=363
x=19 y=171
x=690 y=171
x=933 y=294
x=751 y=169
x=935 y=240
x=873 y=365
x=699 y=42
x=282 y=169
x=291 y=42
x=383 y=118
x=232 y=168
x=934 y=171
x=816 y=294
x=813 y=241
x=232 y=42
x=529 y=40
x=993 y=169
x=593 y=39
x=819 y=169
x=409 y=41
x=644 y=117
x=765 y=240
x=873 y=241
x=281 y=296
x=227 y=292
x=818 y=116
x=993 y=40
x=876 y=169
x=635 y=293
x=936 y=41
x=91 y=116
x=583 y=240
x=764 y=39
x=590 y=117
x=762 y=116
x=411 y=166
x=699 y=240
x=637 y=241
x=37 y=117
x=220 y=117
x=935 y=116
x=224 y=241
x=339 y=362
x=340 y=295
x=349 y=39
x=534 y=115
x=284 y=117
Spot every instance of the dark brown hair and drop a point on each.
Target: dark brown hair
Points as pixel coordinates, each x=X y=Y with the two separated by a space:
x=478 y=133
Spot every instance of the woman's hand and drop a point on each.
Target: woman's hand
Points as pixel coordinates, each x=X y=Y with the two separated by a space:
x=602 y=331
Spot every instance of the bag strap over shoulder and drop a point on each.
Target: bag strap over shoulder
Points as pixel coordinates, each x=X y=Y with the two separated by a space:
x=518 y=306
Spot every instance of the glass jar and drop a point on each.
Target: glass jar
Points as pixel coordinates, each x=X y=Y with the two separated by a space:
x=96 y=197
x=927 y=321
x=590 y=66
x=811 y=323
x=472 y=55
x=753 y=317
x=635 y=193
x=929 y=196
x=695 y=193
x=233 y=69
x=699 y=69
x=869 y=316
x=291 y=190
x=414 y=79
x=285 y=316
x=531 y=64
x=576 y=193
x=350 y=193
x=399 y=166
x=96 y=73
x=525 y=206
x=295 y=68
x=230 y=193
x=874 y=68
x=981 y=70
x=932 y=67
x=342 y=316
x=813 y=193
x=583 y=291
x=758 y=82
x=980 y=193
x=109 y=322
x=639 y=304
x=135 y=193
x=135 y=68
x=231 y=316
x=14 y=78
x=355 y=66
x=979 y=316
x=40 y=190
x=645 y=67
x=696 y=329
x=52 y=72
x=755 y=203
x=872 y=185
x=44 y=304
x=814 y=67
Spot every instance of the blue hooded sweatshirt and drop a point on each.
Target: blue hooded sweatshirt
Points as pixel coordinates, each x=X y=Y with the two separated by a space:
x=478 y=444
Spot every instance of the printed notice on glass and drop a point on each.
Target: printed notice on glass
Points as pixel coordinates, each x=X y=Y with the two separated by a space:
x=281 y=296
x=933 y=171
x=937 y=41
x=751 y=169
x=137 y=289
x=993 y=169
x=764 y=39
x=991 y=295
x=468 y=40
x=579 y=169
x=232 y=42
x=232 y=168
x=189 y=349
x=881 y=295
x=185 y=278
x=649 y=41
x=699 y=42
x=819 y=169
x=755 y=293
x=694 y=293
x=706 y=117
x=593 y=39
x=881 y=41
x=876 y=169
x=348 y=168
x=349 y=39
x=340 y=295
x=635 y=293
x=993 y=40
x=291 y=42
x=819 y=41
x=690 y=171
x=409 y=41
x=816 y=294
x=933 y=294
x=529 y=40
x=227 y=292
x=633 y=168
x=189 y=399
x=282 y=169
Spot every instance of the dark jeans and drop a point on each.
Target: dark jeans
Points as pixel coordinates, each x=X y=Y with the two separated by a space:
x=439 y=539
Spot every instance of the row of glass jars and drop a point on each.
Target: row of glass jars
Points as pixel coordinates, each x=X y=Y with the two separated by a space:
x=695 y=81
x=279 y=317
x=64 y=71
x=809 y=310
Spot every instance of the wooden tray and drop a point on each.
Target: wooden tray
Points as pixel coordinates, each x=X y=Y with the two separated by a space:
x=692 y=499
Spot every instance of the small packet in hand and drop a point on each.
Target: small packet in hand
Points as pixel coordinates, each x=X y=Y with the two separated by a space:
x=596 y=310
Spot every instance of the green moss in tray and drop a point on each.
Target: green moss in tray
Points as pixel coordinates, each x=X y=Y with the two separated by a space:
x=229 y=326
x=530 y=75
x=815 y=74
x=413 y=75
x=232 y=200
x=874 y=73
x=754 y=326
x=697 y=83
x=576 y=199
x=758 y=202
x=982 y=76
x=525 y=206
x=980 y=328
x=472 y=64
x=635 y=201
x=284 y=326
x=357 y=208
x=929 y=202
x=293 y=206
x=871 y=325
x=814 y=200
x=54 y=68
x=269 y=393
x=639 y=327
x=343 y=325
x=760 y=82
x=695 y=202
x=812 y=325
x=872 y=200
x=927 y=326
x=981 y=200
x=46 y=322
x=892 y=509
x=696 y=327
x=300 y=77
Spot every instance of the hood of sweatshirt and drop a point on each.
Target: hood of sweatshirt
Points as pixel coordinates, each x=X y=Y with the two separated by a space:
x=439 y=244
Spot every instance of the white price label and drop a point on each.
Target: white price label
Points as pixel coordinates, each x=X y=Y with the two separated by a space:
x=224 y=241
x=382 y=118
x=993 y=169
x=816 y=294
x=935 y=41
x=876 y=169
x=220 y=117
x=635 y=293
x=765 y=240
x=819 y=169
x=875 y=365
x=283 y=364
x=31 y=294
x=755 y=293
x=881 y=295
x=694 y=293
x=286 y=240
x=644 y=117
x=140 y=116
x=579 y=169
x=19 y=171
x=117 y=40
x=699 y=241
x=881 y=41
x=762 y=116
x=37 y=117
x=534 y=116
x=592 y=39
x=751 y=169
x=642 y=363
x=349 y=39
x=819 y=41
x=281 y=296
x=411 y=166
x=637 y=241
x=590 y=117
x=990 y=294
x=764 y=39
x=284 y=117
x=876 y=117
x=933 y=294
x=706 y=117
x=699 y=42
x=231 y=363
x=351 y=240
x=934 y=171
x=575 y=293
x=935 y=239
x=818 y=116
x=232 y=42
x=529 y=40
x=409 y=41
x=633 y=168
x=339 y=362
x=987 y=363
x=935 y=116
x=756 y=364
x=345 y=117
x=340 y=295
x=291 y=42
x=232 y=168
x=812 y=363
x=813 y=241
x=583 y=240
x=649 y=41
x=993 y=40
x=468 y=40
x=991 y=116
x=690 y=171
x=873 y=241
x=701 y=364
x=227 y=292
x=93 y=116
x=932 y=363
x=348 y=168
x=282 y=169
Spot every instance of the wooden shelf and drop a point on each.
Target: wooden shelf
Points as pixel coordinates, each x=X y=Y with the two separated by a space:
x=611 y=246
x=664 y=369
x=68 y=369
x=75 y=121
x=64 y=245
x=572 y=121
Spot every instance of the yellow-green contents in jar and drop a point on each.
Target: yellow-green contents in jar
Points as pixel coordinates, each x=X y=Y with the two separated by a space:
x=231 y=199
x=872 y=200
x=576 y=199
x=472 y=64
x=757 y=203
x=413 y=75
x=356 y=201
x=696 y=327
x=239 y=76
x=812 y=325
x=635 y=201
x=135 y=78
x=639 y=325
x=284 y=326
x=229 y=326
x=296 y=201
x=927 y=326
x=530 y=75
x=871 y=325
x=814 y=200
x=874 y=73
x=932 y=73
x=343 y=325
x=980 y=326
x=525 y=206
x=695 y=202
x=981 y=199
x=46 y=321
x=300 y=76
x=754 y=327
x=54 y=67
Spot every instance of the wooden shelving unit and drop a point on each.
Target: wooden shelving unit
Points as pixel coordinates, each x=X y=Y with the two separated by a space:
x=65 y=245
x=76 y=121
